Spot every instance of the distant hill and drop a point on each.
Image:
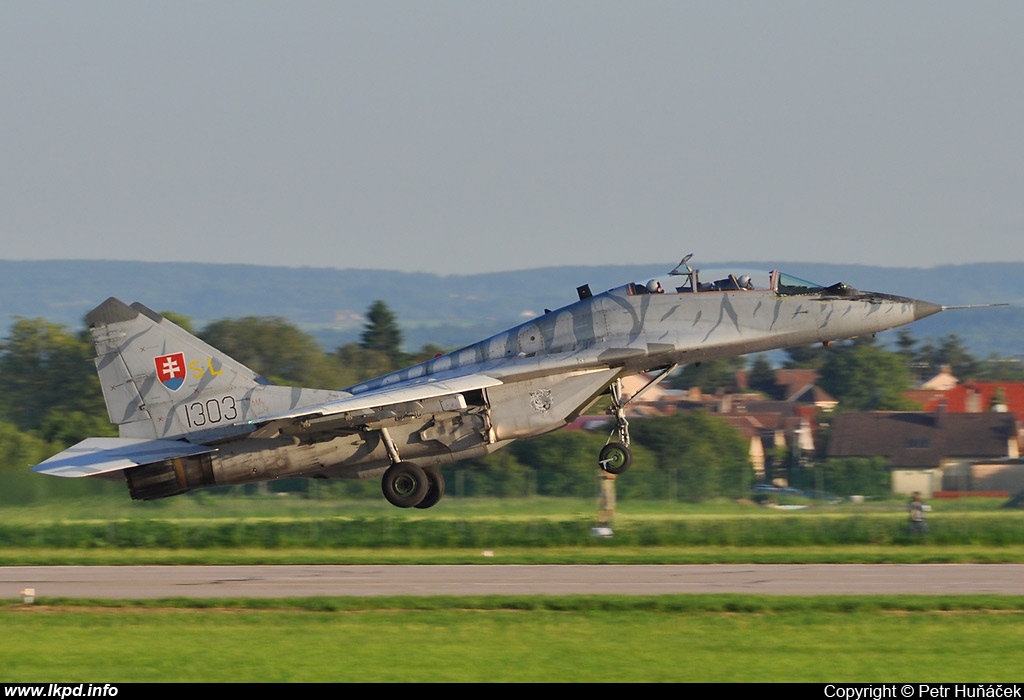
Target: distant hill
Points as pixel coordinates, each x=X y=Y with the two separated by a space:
x=453 y=310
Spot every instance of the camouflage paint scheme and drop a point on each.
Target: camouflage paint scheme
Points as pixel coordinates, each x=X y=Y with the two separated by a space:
x=189 y=416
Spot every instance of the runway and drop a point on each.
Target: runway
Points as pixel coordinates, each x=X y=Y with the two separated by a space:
x=137 y=582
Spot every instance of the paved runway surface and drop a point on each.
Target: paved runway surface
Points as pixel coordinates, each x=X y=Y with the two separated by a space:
x=329 y=580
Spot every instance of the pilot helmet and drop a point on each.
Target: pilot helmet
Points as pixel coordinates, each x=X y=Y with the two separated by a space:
x=744 y=281
x=653 y=286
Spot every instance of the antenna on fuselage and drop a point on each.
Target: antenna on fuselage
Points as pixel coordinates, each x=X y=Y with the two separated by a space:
x=683 y=263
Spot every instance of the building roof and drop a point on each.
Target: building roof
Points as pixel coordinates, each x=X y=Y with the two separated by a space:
x=976 y=397
x=943 y=381
x=922 y=440
x=795 y=382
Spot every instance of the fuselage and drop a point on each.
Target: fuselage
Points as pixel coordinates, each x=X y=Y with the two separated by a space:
x=636 y=331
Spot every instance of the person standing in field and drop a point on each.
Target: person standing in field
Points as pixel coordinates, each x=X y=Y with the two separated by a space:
x=605 y=504
x=917 y=508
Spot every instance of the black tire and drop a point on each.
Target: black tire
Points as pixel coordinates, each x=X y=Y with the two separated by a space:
x=615 y=458
x=404 y=484
x=435 y=488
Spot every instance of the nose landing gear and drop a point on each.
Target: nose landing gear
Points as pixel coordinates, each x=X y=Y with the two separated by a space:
x=615 y=457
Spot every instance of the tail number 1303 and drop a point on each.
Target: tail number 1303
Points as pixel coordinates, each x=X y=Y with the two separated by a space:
x=199 y=414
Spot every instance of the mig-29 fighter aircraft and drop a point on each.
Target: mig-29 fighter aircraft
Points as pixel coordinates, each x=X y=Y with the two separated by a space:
x=190 y=417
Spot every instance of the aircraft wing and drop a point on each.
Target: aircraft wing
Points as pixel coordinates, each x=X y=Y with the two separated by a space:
x=94 y=456
x=404 y=392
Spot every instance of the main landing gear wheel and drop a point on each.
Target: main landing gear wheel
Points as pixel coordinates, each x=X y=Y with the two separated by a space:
x=405 y=484
x=435 y=487
x=615 y=458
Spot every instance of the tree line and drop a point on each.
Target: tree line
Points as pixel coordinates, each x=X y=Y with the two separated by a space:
x=863 y=374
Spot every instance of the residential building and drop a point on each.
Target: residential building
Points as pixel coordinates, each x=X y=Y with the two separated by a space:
x=933 y=451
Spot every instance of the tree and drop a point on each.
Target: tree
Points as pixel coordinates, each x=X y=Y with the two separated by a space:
x=762 y=377
x=906 y=344
x=274 y=348
x=708 y=457
x=381 y=332
x=44 y=369
x=906 y=348
x=710 y=375
x=357 y=363
x=805 y=357
x=181 y=320
x=865 y=377
x=953 y=352
x=867 y=476
x=999 y=369
x=564 y=461
x=499 y=475
x=427 y=352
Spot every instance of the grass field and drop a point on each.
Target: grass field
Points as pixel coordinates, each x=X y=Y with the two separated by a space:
x=279 y=530
x=593 y=553
x=564 y=639
x=539 y=639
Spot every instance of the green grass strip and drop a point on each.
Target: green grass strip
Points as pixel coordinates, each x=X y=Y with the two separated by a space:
x=517 y=639
x=703 y=603
x=592 y=553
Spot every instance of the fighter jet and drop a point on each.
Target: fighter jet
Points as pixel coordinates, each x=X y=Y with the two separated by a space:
x=191 y=417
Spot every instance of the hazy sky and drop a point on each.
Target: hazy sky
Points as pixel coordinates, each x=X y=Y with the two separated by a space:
x=463 y=137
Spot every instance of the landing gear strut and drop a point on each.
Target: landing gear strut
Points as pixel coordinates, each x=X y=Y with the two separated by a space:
x=615 y=457
x=409 y=485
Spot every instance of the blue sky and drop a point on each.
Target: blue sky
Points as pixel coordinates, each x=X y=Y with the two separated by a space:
x=464 y=137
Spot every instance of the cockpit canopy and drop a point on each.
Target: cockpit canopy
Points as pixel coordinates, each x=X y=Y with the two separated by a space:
x=723 y=280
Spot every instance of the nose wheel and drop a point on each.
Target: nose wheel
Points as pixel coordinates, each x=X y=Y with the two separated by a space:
x=615 y=458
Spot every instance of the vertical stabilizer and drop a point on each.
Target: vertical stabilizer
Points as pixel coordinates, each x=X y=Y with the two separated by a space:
x=159 y=381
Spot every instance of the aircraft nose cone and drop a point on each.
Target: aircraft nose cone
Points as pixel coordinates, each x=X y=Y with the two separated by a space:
x=923 y=309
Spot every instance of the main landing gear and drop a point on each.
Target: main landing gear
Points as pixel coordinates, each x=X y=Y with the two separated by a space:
x=409 y=485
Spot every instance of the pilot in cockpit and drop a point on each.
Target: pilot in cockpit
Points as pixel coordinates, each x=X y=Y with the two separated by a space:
x=654 y=287
x=732 y=282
